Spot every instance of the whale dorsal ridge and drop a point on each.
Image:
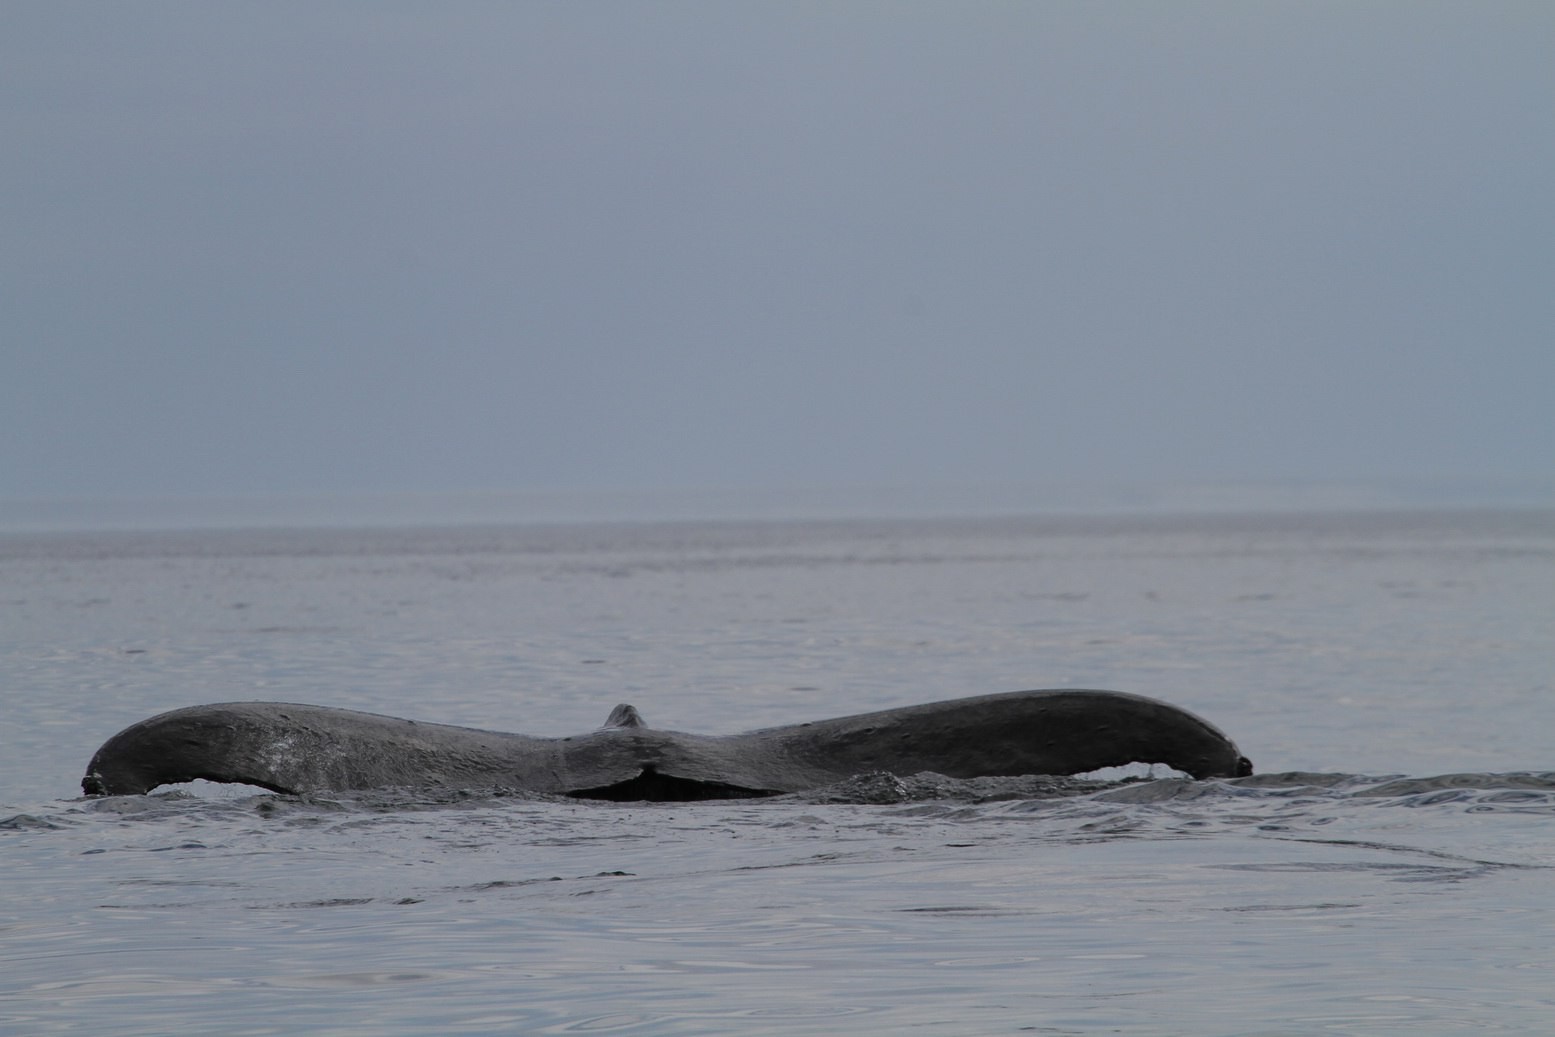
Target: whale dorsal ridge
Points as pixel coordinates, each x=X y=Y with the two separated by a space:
x=625 y=715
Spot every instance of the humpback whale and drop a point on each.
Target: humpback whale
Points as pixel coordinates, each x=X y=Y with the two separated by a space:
x=294 y=748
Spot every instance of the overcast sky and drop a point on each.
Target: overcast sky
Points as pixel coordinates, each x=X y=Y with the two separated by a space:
x=324 y=246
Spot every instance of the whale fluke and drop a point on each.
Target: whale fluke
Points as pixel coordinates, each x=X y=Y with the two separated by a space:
x=294 y=748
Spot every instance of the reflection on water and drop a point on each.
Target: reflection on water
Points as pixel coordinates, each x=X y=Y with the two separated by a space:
x=415 y=913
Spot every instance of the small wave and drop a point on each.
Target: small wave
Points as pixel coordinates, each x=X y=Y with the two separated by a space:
x=1523 y=791
x=1272 y=801
x=27 y=823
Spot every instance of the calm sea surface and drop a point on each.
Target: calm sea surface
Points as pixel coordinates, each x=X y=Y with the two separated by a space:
x=1390 y=869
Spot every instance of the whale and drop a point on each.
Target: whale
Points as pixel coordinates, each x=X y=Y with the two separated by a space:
x=293 y=748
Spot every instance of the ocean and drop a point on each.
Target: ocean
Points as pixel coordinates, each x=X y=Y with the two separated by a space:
x=1388 y=869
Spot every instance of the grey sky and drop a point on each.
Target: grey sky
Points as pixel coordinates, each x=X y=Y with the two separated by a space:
x=298 y=247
